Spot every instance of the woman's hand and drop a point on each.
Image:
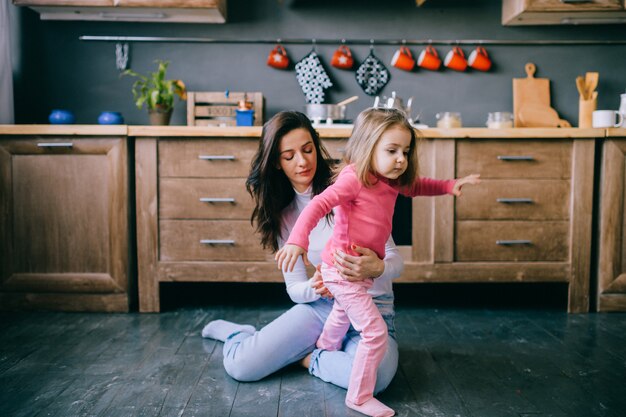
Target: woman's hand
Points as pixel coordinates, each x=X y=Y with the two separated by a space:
x=287 y=256
x=318 y=285
x=470 y=179
x=358 y=268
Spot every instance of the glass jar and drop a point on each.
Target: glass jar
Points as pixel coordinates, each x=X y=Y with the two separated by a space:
x=500 y=120
x=448 y=120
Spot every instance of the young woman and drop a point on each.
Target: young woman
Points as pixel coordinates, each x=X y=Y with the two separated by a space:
x=289 y=168
x=381 y=158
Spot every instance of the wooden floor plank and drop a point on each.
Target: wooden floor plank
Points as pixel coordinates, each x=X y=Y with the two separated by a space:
x=300 y=395
x=215 y=391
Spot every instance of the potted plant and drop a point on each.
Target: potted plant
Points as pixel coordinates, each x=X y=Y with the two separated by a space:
x=157 y=93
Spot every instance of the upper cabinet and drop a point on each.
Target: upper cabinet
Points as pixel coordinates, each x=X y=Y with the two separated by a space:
x=557 y=12
x=180 y=11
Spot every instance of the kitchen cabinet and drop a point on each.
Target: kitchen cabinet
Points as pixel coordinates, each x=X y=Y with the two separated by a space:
x=611 y=295
x=530 y=220
x=64 y=221
x=181 y=11
x=193 y=212
x=556 y=12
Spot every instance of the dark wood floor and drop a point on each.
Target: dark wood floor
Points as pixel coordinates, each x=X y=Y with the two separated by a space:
x=453 y=362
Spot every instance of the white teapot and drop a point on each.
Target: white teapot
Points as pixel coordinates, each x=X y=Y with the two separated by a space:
x=394 y=102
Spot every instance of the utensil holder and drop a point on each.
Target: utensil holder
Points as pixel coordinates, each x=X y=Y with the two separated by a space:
x=585 y=112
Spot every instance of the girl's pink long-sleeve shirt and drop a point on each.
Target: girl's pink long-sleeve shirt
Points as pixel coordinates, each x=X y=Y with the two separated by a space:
x=363 y=215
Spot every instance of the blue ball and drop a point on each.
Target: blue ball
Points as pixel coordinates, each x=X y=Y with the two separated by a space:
x=110 y=118
x=61 y=117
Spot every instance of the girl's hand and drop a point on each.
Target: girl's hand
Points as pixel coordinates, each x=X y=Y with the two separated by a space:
x=288 y=255
x=358 y=268
x=318 y=284
x=470 y=179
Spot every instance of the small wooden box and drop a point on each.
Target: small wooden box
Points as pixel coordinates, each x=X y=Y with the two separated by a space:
x=215 y=108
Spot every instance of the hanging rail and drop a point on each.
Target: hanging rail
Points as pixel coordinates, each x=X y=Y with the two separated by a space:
x=350 y=41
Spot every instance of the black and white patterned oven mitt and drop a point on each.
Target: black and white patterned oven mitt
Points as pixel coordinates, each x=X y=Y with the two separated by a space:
x=372 y=75
x=312 y=78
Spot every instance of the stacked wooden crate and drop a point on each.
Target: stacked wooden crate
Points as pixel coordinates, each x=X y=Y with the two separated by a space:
x=213 y=108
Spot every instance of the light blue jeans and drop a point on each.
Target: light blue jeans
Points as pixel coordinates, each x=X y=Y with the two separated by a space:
x=292 y=336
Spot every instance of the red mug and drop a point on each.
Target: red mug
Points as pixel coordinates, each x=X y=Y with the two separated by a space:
x=455 y=59
x=342 y=58
x=403 y=59
x=278 y=58
x=429 y=59
x=479 y=60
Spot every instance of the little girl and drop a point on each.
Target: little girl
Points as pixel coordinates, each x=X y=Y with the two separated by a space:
x=381 y=158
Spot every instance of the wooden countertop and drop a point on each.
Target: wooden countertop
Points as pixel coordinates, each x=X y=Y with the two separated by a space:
x=65 y=130
x=255 y=132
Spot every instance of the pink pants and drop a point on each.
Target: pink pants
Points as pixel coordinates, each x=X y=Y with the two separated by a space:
x=353 y=305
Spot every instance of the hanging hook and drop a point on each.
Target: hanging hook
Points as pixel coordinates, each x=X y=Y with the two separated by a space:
x=343 y=41
x=403 y=42
x=371 y=45
x=314 y=46
x=121 y=56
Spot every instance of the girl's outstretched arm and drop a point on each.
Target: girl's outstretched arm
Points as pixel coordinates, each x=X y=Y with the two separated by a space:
x=470 y=179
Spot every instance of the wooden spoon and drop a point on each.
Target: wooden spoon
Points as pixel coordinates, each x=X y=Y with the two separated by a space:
x=591 y=82
x=581 y=86
x=348 y=101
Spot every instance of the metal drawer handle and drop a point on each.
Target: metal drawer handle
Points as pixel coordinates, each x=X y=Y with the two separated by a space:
x=515 y=158
x=513 y=242
x=217 y=200
x=217 y=242
x=55 y=144
x=217 y=157
x=515 y=200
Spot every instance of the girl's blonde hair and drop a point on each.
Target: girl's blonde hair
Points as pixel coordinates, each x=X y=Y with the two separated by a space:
x=368 y=129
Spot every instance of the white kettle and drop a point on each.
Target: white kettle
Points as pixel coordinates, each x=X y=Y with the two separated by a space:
x=394 y=102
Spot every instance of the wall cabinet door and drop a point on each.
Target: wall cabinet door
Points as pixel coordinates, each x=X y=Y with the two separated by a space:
x=557 y=12
x=182 y=11
x=64 y=224
x=612 y=253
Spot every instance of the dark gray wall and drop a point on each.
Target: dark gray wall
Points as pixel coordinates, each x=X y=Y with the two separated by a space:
x=56 y=70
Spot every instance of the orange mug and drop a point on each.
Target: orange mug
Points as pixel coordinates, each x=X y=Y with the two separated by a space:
x=278 y=58
x=342 y=58
x=455 y=59
x=479 y=60
x=429 y=59
x=403 y=59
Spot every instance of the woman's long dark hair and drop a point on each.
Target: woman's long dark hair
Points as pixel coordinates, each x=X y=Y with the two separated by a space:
x=269 y=186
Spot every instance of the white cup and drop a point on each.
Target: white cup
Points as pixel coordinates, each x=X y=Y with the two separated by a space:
x=606 y=118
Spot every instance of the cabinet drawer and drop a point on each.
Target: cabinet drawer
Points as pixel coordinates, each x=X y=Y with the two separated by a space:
x=515 y=200
x=511 y=241
x=514 y=159
x=204 y=198
x=221 y=158
x=210 y=240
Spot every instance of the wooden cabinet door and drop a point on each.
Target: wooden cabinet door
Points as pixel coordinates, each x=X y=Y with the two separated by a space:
x=64 y=216
x=612 y=253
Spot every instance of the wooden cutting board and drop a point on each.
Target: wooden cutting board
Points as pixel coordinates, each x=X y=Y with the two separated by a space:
x=529 y=92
